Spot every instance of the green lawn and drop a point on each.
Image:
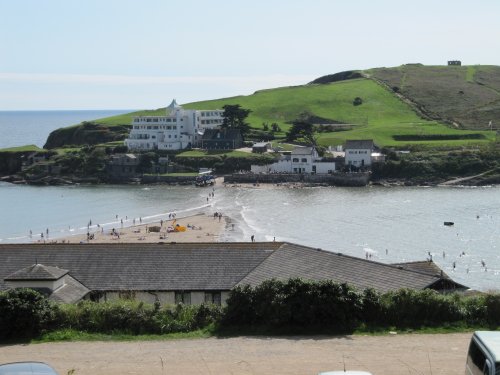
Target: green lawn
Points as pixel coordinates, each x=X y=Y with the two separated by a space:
x=26 y=148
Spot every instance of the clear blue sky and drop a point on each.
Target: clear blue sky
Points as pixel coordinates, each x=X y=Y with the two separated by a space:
x=107 y=54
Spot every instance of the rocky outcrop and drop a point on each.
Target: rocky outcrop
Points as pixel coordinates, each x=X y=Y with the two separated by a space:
x=87 y=133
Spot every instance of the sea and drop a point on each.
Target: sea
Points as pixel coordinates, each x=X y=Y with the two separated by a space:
x=384 y=224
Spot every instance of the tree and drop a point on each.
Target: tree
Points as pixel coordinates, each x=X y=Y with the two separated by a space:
x=145 y=162
x=302 y=129
x=234 y=117
x=275 y=127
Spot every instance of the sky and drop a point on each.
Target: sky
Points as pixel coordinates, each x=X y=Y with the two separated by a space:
x=140 y=54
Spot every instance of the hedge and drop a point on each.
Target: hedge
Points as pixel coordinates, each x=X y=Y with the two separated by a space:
x=292 y=306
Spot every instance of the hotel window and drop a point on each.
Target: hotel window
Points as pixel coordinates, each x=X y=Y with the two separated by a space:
x=183 y=297
x=213 y=297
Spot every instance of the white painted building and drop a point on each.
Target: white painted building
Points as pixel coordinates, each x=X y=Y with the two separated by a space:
x=177 y=129
x=358 y=153
x=300 y=160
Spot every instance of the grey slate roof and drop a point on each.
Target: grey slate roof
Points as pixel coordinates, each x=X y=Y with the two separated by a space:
x=73 y=291
x=186 y=266
x=37 y=272
x=424 y=266
x=302 y=151
x=296 y=261
x=359 y=144
x=207 y=266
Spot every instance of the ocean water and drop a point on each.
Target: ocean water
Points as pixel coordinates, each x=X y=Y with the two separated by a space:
x=19 y=128
x=386 y=224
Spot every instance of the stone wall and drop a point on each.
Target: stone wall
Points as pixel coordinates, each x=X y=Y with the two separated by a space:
x=336 y=179
x=182 y=180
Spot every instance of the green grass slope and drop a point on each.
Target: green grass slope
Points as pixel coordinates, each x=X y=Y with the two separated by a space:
x=382 y=116
x=466 y=96
x=402 y=107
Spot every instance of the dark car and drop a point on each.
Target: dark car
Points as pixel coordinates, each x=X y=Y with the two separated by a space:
x=27 y=368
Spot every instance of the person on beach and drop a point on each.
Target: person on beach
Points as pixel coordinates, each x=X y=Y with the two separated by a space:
x=252 y=238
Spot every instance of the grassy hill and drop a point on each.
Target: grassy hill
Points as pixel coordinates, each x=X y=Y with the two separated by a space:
x=407 y=106
x=465 y=96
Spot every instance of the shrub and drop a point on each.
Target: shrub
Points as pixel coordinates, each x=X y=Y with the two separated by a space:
x=357 y=101
x=136 y=317
x=24 y=313
x=412 y=308
x=295 y=304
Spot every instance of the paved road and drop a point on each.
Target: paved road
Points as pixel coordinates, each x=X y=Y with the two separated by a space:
x=381 y=355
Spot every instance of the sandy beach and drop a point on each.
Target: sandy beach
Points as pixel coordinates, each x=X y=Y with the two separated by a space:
x=197 y=228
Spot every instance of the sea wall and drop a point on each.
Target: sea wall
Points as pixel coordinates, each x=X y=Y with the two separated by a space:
x=182 y=180
x=337 y=179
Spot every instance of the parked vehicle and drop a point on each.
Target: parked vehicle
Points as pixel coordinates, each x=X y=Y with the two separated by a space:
x=483 y=357
x=26 y=368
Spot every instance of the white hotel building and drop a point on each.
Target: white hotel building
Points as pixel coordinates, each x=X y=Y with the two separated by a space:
x=177 y=129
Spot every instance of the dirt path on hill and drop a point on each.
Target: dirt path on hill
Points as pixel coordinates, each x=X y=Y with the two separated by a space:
x=380 y=355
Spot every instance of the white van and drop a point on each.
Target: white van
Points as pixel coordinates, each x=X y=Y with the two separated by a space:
x=483 y=357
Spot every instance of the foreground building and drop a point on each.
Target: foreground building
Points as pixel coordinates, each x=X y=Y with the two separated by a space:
x=194 y=273
x=178 y=129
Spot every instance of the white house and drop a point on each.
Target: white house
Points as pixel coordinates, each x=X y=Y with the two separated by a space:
x=177 y=129
x=359 y=152
x=300 y=160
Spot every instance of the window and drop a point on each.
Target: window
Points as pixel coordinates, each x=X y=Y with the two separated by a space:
x=295 y=160
x=213 y=297
x=183 y=297
x=304 y=160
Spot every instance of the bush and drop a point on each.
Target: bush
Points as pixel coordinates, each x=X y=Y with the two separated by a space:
x=294 y=305
x=357 y=101
x=25 y=313
x=412 y=308
x=136 y=317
